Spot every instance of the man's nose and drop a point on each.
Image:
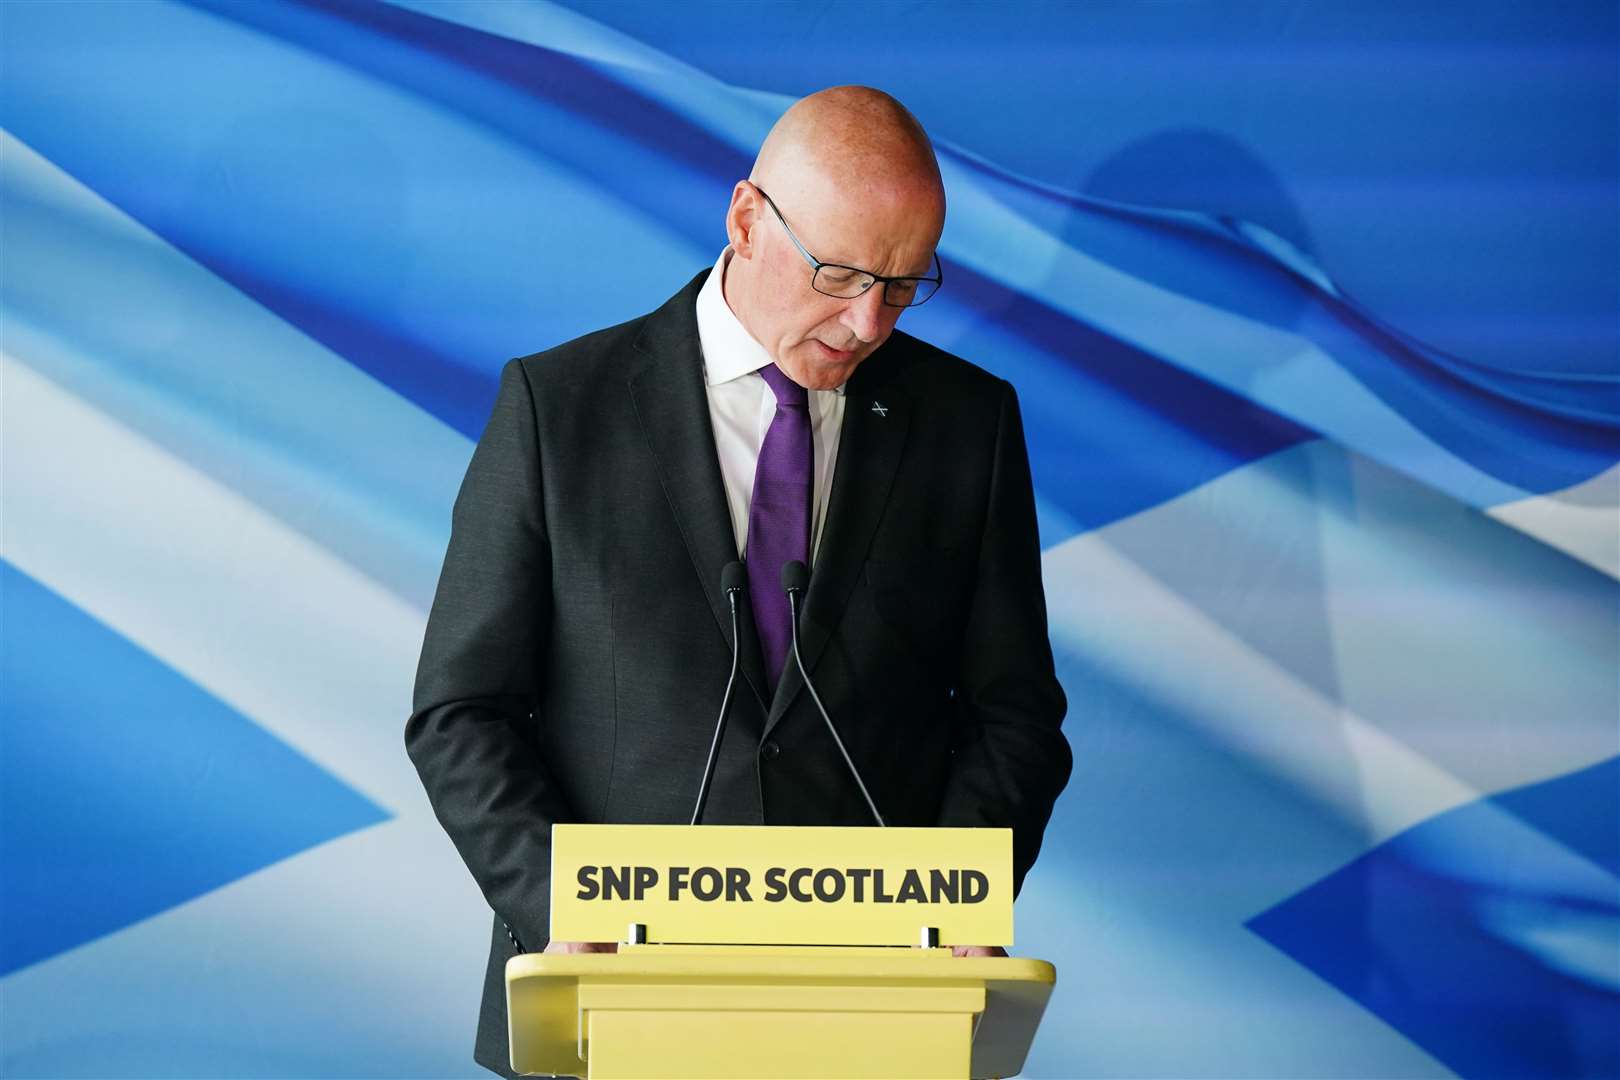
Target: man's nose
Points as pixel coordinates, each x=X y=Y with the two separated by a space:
x=866 y=315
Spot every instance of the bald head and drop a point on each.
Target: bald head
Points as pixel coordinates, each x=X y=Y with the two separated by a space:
x=853 y=140
x=853 y=176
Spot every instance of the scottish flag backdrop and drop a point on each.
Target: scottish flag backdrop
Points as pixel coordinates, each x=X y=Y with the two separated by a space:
x=1312 y=308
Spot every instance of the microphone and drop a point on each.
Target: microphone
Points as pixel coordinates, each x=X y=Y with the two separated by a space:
x=733 y=579
x=795 y=578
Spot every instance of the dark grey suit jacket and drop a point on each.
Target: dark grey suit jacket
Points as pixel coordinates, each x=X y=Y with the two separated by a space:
x=579 y=642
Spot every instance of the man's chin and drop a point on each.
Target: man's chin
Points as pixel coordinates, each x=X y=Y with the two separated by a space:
x=830 y=380
x=822 y=371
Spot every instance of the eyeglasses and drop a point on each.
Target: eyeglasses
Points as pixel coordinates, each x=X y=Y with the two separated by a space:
x=848 y=282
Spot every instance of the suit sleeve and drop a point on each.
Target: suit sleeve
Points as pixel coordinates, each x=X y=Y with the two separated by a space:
x=470 y=735
x=1012 y=760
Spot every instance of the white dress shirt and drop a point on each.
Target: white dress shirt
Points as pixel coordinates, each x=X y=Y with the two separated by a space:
x=741 y=407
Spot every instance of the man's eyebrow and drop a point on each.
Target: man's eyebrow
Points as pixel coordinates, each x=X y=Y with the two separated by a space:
x=926 y=272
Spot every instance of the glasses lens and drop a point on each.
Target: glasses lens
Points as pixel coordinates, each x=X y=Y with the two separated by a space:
x=841 y=281
x=909 y=292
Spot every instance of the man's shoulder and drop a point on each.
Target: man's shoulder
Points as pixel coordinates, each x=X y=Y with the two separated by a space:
x=586 y=356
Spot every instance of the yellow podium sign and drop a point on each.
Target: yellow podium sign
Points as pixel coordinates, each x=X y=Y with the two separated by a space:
x=770 y=885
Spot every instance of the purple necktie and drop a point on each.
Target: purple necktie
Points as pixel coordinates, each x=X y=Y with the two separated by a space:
x=779 y=516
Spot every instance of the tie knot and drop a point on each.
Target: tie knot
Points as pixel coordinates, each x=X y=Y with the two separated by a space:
x=786 y=390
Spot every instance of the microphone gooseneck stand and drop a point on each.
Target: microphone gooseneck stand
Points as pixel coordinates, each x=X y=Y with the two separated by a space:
x=732 y=581
x=795 y=576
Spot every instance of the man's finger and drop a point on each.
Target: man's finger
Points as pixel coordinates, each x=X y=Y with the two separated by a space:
x=978 y=950
x=582 y=947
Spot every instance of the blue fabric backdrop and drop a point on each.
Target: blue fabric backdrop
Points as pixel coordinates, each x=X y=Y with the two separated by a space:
x=1314 y=311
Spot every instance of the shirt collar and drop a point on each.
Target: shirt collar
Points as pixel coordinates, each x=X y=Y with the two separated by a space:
x=729 y=351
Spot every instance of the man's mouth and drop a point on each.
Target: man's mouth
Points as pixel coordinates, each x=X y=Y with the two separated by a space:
x=836 y=354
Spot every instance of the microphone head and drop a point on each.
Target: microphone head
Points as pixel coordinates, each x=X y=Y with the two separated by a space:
x=795 y=576
x=733 y=577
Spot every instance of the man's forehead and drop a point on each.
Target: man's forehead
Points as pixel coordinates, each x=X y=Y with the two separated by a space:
x=822 y=164
x=862 y=219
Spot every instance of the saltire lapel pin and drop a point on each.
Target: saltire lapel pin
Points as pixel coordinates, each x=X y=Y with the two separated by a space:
x=879 y=408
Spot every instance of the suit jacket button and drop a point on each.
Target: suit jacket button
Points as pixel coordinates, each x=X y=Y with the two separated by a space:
x=770 y=749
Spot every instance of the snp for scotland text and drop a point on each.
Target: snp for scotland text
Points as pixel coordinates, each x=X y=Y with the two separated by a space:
x=805 y=884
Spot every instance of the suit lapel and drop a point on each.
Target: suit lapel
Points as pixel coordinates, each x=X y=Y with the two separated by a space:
x=877 y=416
x=673 y=408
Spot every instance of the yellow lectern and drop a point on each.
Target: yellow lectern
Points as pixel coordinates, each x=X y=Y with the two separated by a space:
x=712 y=1006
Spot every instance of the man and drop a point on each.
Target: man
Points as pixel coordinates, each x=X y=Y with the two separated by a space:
x=579 y=640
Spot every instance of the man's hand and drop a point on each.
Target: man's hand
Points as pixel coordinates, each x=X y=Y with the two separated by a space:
x=581 y=946
x=978 y=950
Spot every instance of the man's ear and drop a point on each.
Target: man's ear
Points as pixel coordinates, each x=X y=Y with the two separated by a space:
x=741 y=218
